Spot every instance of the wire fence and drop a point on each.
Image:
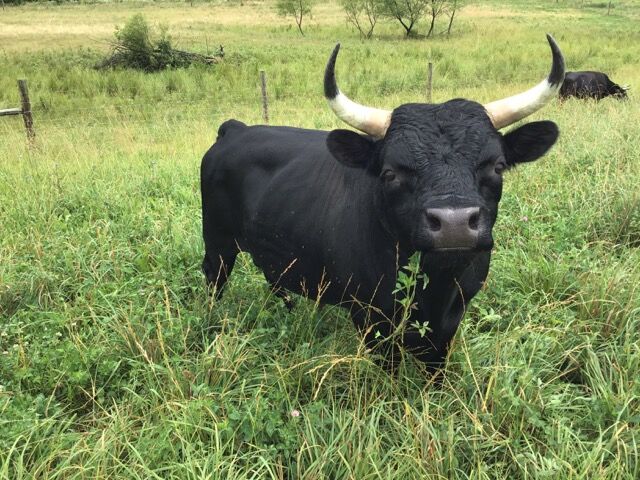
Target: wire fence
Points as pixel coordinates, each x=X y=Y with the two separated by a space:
x=91 y=118
x=262 y=106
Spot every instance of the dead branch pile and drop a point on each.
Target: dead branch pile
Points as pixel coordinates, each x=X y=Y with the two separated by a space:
x=134 y=48
x=123 y=56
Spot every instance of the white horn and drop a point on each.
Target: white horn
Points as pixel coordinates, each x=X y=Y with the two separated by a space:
x=372 y=121
x=511 y=109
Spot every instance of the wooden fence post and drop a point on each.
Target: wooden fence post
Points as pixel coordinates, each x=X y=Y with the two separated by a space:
x=26 y=111
x=430 y=83
x=265 y=104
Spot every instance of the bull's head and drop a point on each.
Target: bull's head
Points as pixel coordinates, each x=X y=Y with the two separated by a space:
x=440 y=165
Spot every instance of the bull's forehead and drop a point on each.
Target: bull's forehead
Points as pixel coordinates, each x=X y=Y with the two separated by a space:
x=454 y=133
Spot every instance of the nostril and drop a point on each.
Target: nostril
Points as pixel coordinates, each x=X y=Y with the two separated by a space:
x=433 y=222
x=474 y=220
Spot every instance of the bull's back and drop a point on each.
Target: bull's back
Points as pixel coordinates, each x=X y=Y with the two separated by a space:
x=240 y=167
x=586 y=84
x=242 y=147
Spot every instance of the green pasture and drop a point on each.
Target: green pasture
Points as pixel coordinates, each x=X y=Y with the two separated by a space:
x=115 y=362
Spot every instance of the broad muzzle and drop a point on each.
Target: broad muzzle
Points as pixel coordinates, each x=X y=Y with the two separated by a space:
x=453 y=228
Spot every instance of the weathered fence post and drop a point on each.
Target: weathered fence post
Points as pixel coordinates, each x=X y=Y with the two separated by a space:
x=265 y=104
x=429 y=82
x=26 y=110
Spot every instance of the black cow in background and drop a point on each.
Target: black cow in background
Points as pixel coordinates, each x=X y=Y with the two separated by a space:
x=596 y=85
x=335 y=215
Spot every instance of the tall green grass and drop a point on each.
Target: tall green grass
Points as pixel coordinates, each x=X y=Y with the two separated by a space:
x=115 y=363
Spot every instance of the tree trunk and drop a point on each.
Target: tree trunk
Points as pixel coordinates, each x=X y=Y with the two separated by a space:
x=453 y=14
x=409 y=29
x=433 y=22
x=299 y=22
x=372 y=23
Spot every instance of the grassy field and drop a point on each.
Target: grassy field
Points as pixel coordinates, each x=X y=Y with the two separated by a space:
x=114 y=361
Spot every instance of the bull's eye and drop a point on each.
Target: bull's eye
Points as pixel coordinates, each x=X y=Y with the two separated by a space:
x=500 y=167
x=388 y=176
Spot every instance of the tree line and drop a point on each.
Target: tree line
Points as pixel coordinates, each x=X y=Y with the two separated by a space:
x=364 y=15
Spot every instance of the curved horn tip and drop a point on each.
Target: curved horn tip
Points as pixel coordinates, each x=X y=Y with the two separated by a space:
x=330 y=87
x=556 y=76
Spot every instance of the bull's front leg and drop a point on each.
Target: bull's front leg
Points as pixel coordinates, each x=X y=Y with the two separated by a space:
x=431 y=353
x=441 y=306
x=429 y=340
x=377 y=330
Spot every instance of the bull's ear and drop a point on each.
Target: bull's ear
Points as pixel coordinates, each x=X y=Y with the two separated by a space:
x=530 y=142
x=351 y=148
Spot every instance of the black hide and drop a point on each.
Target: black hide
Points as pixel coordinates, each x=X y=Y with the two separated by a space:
x=594 y=85
x=335 y=215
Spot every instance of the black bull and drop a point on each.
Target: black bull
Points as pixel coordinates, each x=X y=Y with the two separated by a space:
x=596 y=85
x=335 y=215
